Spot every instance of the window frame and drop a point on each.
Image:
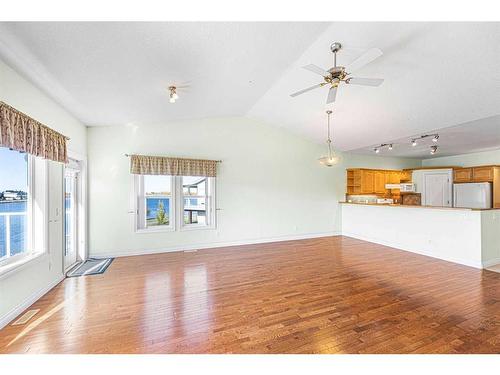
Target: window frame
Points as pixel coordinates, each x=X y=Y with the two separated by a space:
x=176 y=207
x=209 y=206
x=7 y=264
x=140 y=199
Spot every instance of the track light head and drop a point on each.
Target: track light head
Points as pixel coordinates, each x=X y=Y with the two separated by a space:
x=377 y=150
x=390 y=146
x=413 y=142
x=434 y=149
x=435 y=138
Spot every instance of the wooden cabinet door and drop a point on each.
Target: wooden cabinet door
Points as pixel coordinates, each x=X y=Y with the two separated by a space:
x=462 y=175
x=367 y=182
x=379 y=180
x=482 y=174
x=394 y=177
x=406 y=176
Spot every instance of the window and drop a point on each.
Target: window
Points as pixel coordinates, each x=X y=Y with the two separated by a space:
x=196 y=210
x=174 y=202
x=15 y=205
x=155 y=205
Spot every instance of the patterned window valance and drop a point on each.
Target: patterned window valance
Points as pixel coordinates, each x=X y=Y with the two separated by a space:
x=141 y=164
x=22 y=133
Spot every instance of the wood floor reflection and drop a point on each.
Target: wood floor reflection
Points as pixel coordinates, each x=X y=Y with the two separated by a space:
x=325 y=295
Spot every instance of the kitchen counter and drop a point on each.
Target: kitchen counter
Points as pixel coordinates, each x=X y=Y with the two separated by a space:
x=461 y=235
x=409 y=206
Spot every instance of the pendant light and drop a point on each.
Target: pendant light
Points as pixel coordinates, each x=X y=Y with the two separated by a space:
x=331 y=159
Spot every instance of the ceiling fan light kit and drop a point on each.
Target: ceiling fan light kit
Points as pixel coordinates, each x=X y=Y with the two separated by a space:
x=334 y=76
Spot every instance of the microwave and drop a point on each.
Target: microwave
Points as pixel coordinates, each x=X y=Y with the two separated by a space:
x=407 y=188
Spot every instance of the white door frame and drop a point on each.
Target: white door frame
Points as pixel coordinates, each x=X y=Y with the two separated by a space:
x=448 y=172
x=82 y=246
x=74 y=178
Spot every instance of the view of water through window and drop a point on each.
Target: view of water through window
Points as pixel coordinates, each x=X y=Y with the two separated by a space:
x=13 y=202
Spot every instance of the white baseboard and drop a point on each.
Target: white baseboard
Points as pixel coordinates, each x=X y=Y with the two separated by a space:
x=491 y=262
x=211 y=245
x=465 y=262
x=12 y=314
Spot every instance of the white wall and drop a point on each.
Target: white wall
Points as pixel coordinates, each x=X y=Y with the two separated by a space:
x=18 y=289
x=270 y=185
x=490 y=237
x=466 y=160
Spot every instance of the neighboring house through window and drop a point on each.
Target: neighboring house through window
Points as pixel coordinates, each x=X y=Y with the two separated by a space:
x=174 y=202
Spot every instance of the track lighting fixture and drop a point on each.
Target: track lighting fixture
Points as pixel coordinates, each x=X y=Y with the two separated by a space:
x=435 y=139
x=414 y=142
x=381 y=146
x=434 y=149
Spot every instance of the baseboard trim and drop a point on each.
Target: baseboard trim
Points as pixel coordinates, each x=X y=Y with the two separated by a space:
x=465 y=262
x=201 y=246
x=16 y=311
x=492 y=262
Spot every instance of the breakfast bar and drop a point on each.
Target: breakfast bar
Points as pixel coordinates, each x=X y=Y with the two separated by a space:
x=462 y=235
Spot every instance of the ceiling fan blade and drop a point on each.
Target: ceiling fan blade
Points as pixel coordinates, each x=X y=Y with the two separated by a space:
x=316 y=69
x=364 y=59
x=306 y=90
x=365 y=81
x=332 y=94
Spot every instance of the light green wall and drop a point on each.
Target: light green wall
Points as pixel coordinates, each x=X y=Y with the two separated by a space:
x=465 y=160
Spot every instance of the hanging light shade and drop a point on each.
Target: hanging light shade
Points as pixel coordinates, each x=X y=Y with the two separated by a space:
x=331 y=159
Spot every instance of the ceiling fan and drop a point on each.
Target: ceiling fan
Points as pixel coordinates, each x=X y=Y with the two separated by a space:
x=334 y=76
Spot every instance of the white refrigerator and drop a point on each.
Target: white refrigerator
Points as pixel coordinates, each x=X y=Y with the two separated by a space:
x=472 y=195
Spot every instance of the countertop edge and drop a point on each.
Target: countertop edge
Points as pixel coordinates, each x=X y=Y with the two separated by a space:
x=421 y=207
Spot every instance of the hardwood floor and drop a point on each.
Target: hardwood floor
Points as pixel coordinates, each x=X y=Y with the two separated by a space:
x=326 y=295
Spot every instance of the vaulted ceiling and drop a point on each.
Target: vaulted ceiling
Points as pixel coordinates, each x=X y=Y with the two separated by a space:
x=436 y=74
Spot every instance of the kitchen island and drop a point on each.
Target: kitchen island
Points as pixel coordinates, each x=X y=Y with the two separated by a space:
x=462 y=235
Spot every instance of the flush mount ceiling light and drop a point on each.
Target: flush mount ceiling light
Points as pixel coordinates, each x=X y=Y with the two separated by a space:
x=434 y=149
x=331 y=159
x=338 y=74
x=173 y=94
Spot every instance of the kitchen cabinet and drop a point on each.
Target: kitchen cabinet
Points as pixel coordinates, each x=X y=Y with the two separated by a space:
x=380 y=178
x=482 y=174
x=405 y=176
x=370 y=181
x=462 y=175
x=367 y=182
x=474 y=174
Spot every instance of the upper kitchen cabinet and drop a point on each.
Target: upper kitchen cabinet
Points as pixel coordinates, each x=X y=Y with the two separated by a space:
x=380 y=178
x=462 y=175
x=405 y=176
x=482 y=174
x=367 y=182
x=475 y=174
x=370 y=181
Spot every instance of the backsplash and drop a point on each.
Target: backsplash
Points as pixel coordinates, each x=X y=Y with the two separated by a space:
x=362 y=198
